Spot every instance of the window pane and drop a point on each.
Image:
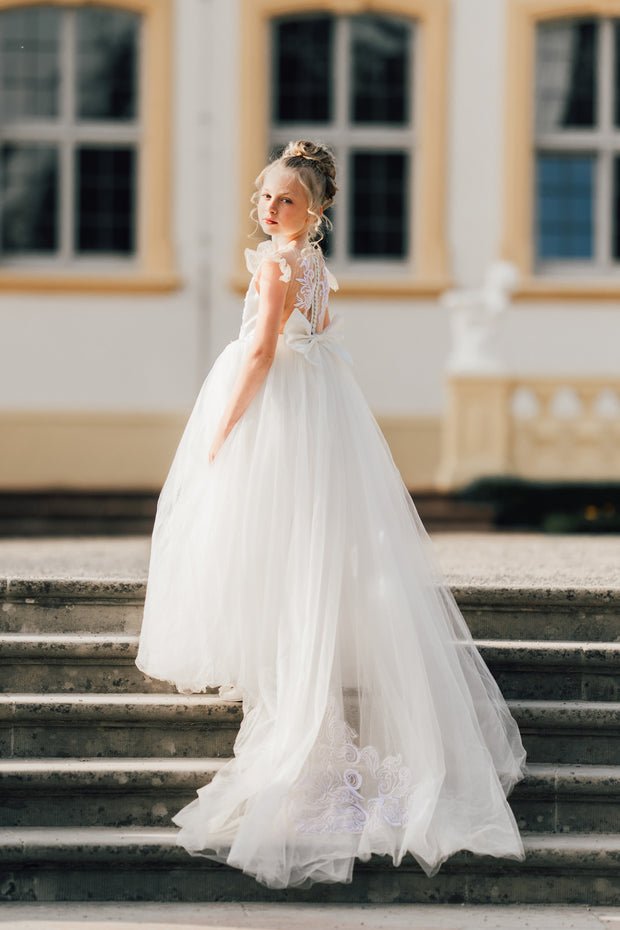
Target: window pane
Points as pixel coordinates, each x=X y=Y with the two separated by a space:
x=107 y=63
x=105 y=201
x=303 y=70
x=29 y=62
x=565 y=206
x=566 y=87
x=379 y=199
x=616 y=209
x=617 y=73
x=29 y=191
x=380 y=70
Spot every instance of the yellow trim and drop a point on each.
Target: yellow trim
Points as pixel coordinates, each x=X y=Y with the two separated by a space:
x=580 y=290
x=91 y=451
x=415 y=444
x=156 y=270
x=431 y=258
x=518 y=229
x=133 y=451
x=91 y=284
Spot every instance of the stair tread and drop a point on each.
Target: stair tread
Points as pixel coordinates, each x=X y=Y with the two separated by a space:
x=101 y=772
x=587 y=849
x=67 y=641
x=94 y=769
x=138 y=698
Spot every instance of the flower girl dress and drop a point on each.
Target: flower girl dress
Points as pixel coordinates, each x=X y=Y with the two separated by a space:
x=296 y=568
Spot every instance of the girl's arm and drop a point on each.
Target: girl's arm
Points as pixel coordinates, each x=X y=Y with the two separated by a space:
x=260 y=357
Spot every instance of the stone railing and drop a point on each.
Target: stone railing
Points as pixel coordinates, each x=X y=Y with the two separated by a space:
x=530 y=427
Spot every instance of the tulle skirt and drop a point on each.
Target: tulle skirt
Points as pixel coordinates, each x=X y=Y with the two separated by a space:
x=296 y=568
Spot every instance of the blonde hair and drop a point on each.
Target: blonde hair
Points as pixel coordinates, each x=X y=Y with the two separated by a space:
x=315 y=168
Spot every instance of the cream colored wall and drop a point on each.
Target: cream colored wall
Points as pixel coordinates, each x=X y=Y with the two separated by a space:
x=95 y=362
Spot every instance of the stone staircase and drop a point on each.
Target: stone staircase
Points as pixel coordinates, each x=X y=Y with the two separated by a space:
x=94 y=758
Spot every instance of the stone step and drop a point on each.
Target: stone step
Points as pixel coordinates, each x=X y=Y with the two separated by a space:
x=568 y=799
x=556 y=613
x=73 y=662
x=71 y=605
x=568 y=671
x=80 y=725
x=82 y=662
x=106 y=792
x=148 y=791
x=145 y=864
x=569 y=732
x=97 y=606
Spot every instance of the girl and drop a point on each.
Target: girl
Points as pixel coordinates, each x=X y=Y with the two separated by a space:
x=289 y=562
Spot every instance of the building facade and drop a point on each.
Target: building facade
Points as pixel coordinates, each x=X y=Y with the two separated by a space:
x=467 y=132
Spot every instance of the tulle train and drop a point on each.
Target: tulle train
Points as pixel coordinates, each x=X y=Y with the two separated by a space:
x=296 y=567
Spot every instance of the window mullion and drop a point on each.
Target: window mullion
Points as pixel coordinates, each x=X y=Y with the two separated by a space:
x=604 y=167
x=602 y=211
x=342 y=93
x=413 y=115
x=67 y=119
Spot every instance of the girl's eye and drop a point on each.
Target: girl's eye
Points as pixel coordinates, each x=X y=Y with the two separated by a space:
x=266 y=196
x=287 y=201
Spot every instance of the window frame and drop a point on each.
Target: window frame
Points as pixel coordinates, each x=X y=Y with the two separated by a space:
x=345 y=137
x=427 y=230
x=602 y=141
x=152 y=267
x=553 y=280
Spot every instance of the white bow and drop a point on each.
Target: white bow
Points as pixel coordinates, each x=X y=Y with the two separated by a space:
x=298 y=336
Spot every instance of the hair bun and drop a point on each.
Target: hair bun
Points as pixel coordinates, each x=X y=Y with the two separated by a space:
x=320 y=159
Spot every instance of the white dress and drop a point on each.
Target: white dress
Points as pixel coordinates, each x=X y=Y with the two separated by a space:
x=296 y=568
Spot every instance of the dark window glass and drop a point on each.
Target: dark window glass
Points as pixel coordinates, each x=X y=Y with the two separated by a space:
x=566 y=74
x=107 y=63
x=326 y=242
x=379 y=204
x=565 y=198
x=380 y=70
x=617 y=73
x=29 y=63
x=105 y=183
x=29 y=191
x=616 y=209
x=303 y=70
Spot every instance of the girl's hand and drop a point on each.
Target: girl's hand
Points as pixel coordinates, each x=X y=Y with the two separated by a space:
x=218 y=441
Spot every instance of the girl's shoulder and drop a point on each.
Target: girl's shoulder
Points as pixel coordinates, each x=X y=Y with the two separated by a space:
x=290 y=259
x=254 y=258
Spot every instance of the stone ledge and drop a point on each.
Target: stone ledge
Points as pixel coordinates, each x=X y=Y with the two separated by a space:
x=141 y=844
x=533 y=652
x=180 y=709
x=61 y=775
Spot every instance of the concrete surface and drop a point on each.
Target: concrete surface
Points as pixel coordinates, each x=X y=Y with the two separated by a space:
x=512 y=560
x=303 y=917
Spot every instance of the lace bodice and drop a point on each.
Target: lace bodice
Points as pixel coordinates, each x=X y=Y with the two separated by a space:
x=308 y=278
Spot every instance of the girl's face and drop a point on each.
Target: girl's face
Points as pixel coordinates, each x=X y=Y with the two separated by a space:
x=283 y=205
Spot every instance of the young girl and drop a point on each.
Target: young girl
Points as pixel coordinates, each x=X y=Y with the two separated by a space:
x=288 y=561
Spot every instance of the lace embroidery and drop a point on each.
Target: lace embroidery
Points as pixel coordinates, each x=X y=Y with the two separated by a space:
x=344 y=789
x=303 y=300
